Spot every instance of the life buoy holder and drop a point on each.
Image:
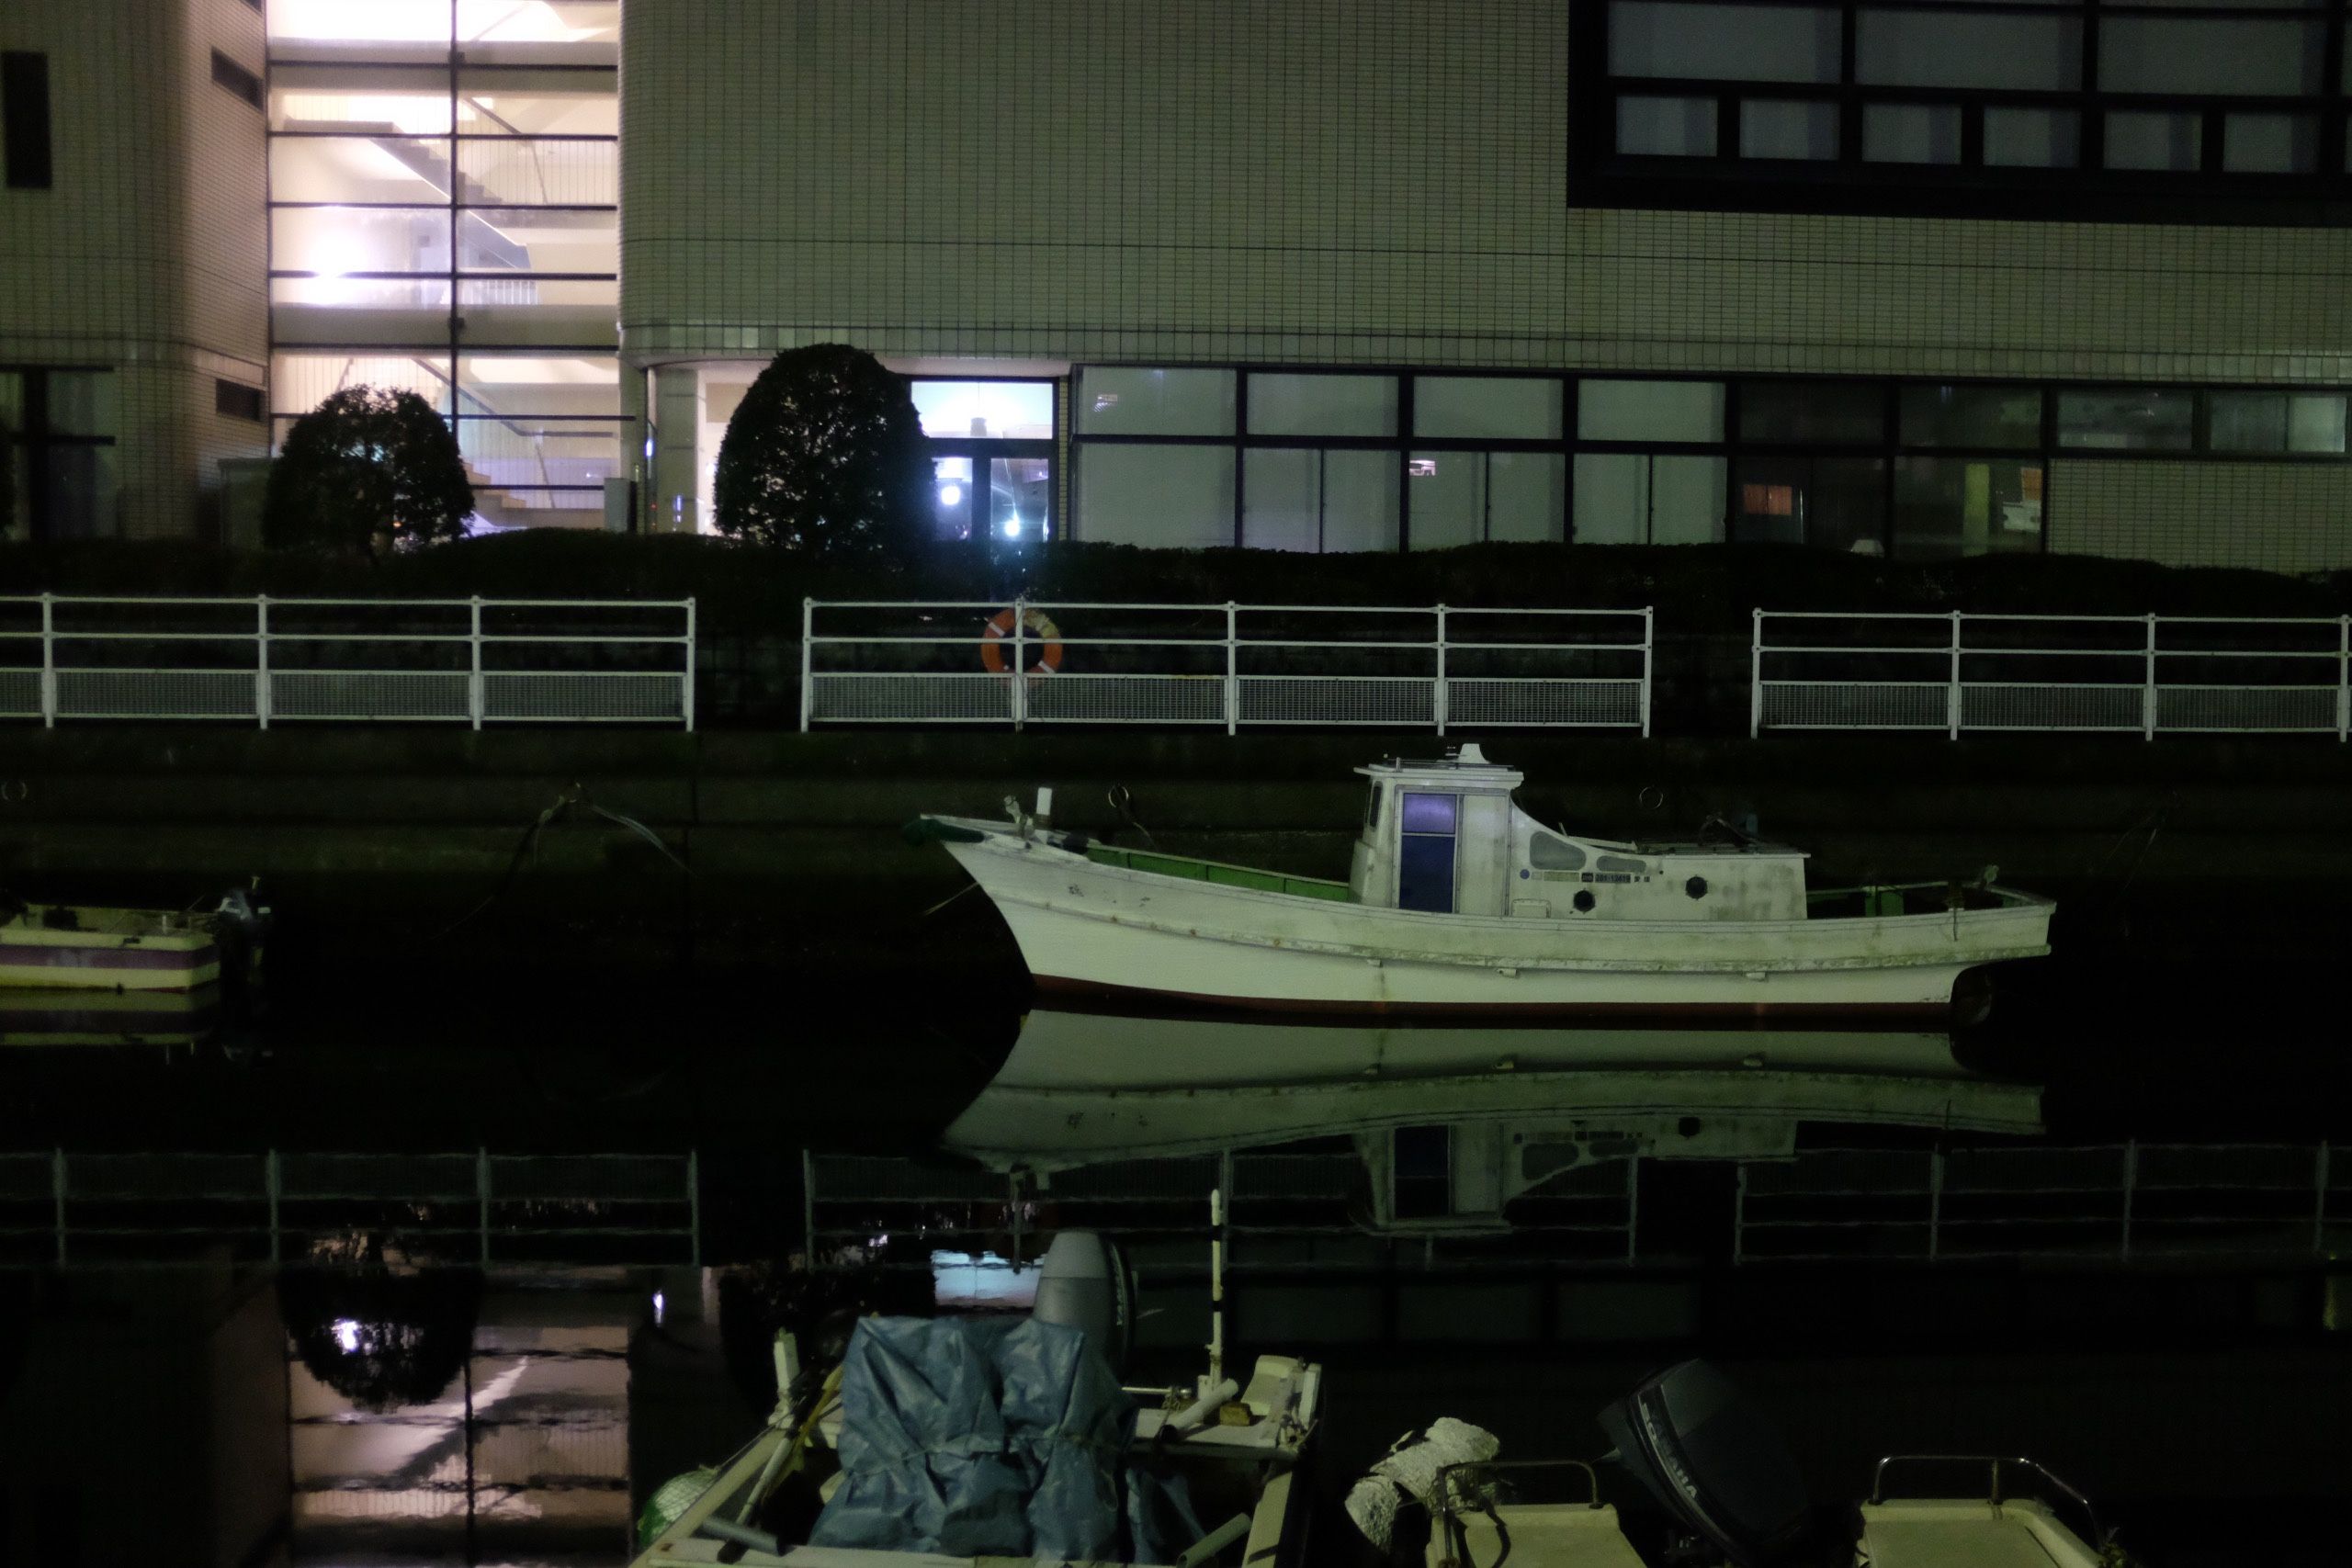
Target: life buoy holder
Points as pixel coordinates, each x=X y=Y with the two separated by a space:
x=1041 y=640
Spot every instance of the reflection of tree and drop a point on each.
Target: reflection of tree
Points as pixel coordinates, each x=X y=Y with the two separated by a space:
x=820 y=1307
x=379 y=1335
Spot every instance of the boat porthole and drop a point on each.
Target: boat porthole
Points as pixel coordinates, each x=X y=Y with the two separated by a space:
x=1696 y=887
x=1583 y=902
x=1524 y=874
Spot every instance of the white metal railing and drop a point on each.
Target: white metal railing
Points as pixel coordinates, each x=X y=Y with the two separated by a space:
x=905 y=661
x=267 y=661
x=2119 y=1202
x=59 y=1208
x=2126 y=675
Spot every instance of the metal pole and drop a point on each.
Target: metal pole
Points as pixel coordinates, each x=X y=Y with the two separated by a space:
x=57 y=1197
x=481 y=1199
x=261 y=658
x=686 y=674
x=808 y=659
x=1649 y=632
x=2148 y=688
x=1952 y=693
x=2131 y=1179
x=1935 y=1202
x=1437 y=693
x=693 y=1208
x=1232 y=669
x=1020 y=661
x=49 y=661
x=270 y=1180
x=809 y=1206
x=1756 y=678
x=1216 y=1290
x=2343 y=677
x=2319 y=1208
x=1740 y=1215
x=1013 y=1201
x=473 y=668
x=1633 y=1205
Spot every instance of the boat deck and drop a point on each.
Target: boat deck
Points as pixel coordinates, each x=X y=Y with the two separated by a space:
x=1221 y=873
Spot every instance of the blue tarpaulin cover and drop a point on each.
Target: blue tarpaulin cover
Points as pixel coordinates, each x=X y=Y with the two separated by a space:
x=978 y=1436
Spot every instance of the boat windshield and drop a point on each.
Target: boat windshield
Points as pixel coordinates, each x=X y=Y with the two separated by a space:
x=1372 y=810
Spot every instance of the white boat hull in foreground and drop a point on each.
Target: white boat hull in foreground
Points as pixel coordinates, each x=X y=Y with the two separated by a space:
x=1088 y=926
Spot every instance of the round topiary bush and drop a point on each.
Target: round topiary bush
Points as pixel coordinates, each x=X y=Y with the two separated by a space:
x=825 y=456
x=367 y=472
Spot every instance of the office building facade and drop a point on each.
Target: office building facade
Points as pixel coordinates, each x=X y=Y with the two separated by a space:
x=1925 y=280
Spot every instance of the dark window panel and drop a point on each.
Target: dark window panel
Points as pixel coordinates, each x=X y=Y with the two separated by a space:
x=2276 y=421
x=1970 y=415
x=236 y=401
x=24 y=119
x=1835 y=504
x=1666 y=128
x=1948 y=507
x=1828 y=412
x=2127 y=419
x=237 y=79
x=1732 y=42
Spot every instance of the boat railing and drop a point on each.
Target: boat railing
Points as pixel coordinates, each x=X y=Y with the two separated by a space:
x=1229 y=665
x=265 y=660
x=1965 y=673
x=1454 y=1497
x=2054 y=1489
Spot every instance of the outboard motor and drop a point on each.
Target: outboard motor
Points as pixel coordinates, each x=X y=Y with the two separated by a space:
x=1713 y=1460
x=241 y=933
x=1082 y=1284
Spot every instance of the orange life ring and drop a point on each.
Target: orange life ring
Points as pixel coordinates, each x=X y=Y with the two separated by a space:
x=1038 y=633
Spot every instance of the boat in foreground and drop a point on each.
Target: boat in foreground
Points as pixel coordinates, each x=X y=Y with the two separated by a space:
x=88 y=947
x=1460 y=903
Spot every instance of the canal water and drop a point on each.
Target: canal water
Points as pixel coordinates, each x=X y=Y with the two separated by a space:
x=522 y=1415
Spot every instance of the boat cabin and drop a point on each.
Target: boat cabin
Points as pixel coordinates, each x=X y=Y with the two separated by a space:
x=1445 y=836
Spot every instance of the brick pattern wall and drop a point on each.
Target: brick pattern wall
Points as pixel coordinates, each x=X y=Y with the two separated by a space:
x=2277 y=516
x=145 y=256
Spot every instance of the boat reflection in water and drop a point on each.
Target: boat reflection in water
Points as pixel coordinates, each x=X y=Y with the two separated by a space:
x=1081 y=1088
x=58 y=1017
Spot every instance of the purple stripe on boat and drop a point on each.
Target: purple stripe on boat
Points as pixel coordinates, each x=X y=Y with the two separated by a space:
x=110 y=957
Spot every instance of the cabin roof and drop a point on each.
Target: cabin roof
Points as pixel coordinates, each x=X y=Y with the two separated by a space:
x=1466 y=769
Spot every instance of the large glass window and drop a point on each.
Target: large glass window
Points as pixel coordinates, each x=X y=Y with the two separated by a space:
x=2276 y=421
x=2132 y=418
x=1168 y=496
x=1317 y=499
x=1122 y=400
x=1835 y=503
x=1287 y=405
x=59 y=427
x=1631 y=498
x=1759 y=43
x=1948 y=507
x=989 y=411
x=1971 y=415
x=1465 y=498
x=1486 y=408
x=1824 y=413
x=1649 y=411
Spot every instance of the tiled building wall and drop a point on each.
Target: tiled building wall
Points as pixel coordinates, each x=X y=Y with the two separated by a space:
x=1337 y=181
x=131 y=261
x=2276 y=516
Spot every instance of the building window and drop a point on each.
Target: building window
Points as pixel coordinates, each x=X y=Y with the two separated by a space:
x=24 y=119
x=236 y=78
x=2060 y=109
x=237 y=401
x=59 y=428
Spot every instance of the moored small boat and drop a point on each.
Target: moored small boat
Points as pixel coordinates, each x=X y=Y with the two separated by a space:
x=1460 y=903
x=88 y=947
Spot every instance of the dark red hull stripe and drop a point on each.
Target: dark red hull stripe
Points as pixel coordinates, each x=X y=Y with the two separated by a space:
x=110 y=957
x=1144 y=996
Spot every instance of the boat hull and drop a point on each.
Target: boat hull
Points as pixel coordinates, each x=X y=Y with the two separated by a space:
x=107 y=964
x=1086 y=928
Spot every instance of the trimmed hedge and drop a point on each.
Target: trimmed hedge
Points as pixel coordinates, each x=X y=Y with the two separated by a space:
x=743 y=589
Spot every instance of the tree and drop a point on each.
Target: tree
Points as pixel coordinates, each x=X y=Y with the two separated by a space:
x=825 y=455
x=367 y=471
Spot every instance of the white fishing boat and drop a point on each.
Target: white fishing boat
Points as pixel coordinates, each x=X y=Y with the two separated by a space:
x=1460 y=903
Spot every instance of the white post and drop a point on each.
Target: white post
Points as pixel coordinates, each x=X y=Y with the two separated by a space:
x=1232 y=669
x=808 y=656
x=1216 y=1290
x=1756 y=678
x=474 y=666
x=2343 y=677
x=1437 y=693
x=1649 y=634
x=261 y=658
x=2148 y=687
x=49 y=661
x=1952 y=693
x=686 y=674
x=1020 y=661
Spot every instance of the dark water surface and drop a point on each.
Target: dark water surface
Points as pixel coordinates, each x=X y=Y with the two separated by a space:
x=2205 y=1404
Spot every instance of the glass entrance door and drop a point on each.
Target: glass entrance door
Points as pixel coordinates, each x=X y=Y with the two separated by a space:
x=985 y=490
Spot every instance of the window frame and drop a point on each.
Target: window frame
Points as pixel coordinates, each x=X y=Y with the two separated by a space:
x=1599 y=177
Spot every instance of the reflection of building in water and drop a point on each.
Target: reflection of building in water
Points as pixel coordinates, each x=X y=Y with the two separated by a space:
x=525 y=1456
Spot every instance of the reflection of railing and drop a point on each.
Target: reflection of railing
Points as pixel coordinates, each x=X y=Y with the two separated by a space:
x=2120 y=1203
x=1233 y=665
x=267 y=661
x=2144 y=674
x=60 y=1208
